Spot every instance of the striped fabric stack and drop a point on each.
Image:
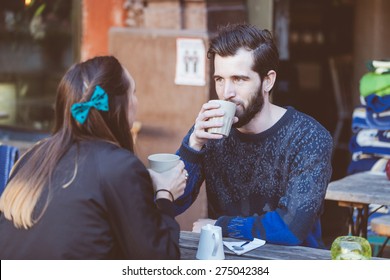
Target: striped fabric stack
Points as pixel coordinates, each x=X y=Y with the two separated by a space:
x=370 y=142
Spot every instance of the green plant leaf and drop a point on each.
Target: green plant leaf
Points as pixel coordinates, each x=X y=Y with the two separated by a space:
x=40 y=10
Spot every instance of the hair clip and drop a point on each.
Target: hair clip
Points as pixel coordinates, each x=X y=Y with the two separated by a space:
x=85 y=86
x=99 y=100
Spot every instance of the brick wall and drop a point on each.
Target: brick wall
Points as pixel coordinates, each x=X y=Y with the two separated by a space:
x=97 y=18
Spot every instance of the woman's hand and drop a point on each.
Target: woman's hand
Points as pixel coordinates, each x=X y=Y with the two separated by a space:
x=173 y=180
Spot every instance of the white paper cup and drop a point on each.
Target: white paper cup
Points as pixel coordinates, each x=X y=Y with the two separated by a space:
x=163 y=162
x=230 y=110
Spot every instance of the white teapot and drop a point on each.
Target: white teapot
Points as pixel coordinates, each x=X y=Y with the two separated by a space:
x=210 y=245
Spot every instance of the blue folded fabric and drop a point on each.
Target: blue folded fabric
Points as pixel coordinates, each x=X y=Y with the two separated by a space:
x=379 y=121
x=8 y=156
x=365 y=118
x=364 y=162
x=359 y=119
x=377 y=103
x=367 y=141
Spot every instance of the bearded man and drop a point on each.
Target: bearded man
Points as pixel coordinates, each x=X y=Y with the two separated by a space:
x=268 y=178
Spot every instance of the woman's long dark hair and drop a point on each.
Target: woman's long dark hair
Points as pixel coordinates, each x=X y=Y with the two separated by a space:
x=78 y=84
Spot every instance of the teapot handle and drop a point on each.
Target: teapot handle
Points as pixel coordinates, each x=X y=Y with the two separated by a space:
x=216 y=238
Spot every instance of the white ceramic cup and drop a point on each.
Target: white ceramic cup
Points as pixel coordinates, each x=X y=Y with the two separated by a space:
x=210 y=245
x=230 y=110
x=163 y=162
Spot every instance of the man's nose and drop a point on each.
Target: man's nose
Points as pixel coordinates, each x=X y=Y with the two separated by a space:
x=229 y=90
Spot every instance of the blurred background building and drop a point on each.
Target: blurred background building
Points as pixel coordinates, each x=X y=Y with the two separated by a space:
x=40 y=39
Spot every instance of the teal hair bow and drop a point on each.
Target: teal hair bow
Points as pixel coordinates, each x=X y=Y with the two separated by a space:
x=99 y=100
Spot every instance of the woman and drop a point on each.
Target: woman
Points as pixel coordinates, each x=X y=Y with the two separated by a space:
x=82 y=193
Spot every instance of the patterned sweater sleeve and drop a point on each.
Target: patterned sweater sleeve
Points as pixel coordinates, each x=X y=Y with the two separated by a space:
x=296 y=219
x=193 y=164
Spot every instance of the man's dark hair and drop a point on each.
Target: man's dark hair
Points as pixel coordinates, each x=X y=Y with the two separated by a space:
x=233 y=37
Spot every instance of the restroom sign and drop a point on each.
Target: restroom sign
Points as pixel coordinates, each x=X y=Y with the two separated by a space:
x=190 y=62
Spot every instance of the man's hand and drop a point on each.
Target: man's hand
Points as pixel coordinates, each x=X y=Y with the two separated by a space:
x=197 y=226
x=200 y=136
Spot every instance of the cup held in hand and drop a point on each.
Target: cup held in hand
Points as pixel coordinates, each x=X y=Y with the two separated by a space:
x=230 y=110
x=163 y=162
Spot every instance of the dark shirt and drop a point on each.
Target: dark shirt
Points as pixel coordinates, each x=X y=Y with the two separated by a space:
x=107 y=212
x=269 y=185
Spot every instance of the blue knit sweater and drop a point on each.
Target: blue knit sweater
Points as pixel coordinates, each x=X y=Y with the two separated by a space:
x=269 y=185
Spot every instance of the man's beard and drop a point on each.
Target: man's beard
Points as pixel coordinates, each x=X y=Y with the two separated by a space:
x=255 y=105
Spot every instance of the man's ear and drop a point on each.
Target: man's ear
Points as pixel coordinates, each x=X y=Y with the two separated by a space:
x=269 y=80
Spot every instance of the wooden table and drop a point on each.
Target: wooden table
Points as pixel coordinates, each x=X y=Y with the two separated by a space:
x=358 y=191
x=189 y=245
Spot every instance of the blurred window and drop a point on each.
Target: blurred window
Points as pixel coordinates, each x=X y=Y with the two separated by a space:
x=35 y=51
